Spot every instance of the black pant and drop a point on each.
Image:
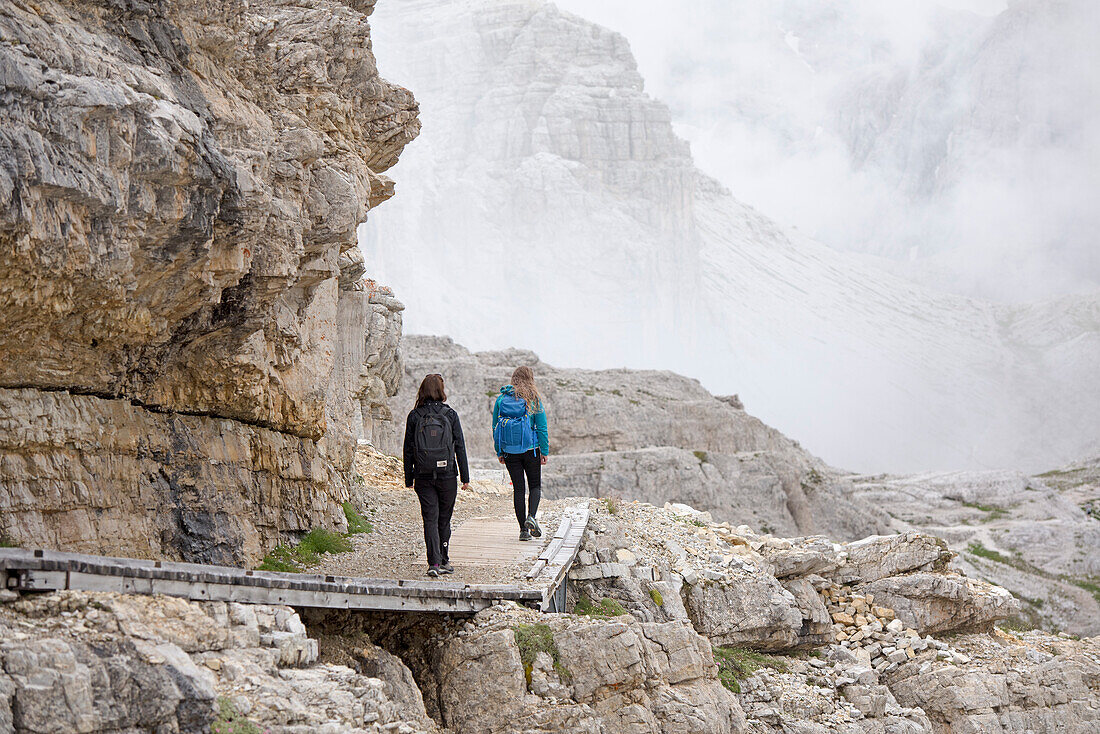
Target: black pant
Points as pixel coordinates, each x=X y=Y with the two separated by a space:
x=518 y=465
x=437 y=502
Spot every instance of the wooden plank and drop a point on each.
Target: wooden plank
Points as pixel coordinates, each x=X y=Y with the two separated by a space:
x=43 y=570
x=52 y=570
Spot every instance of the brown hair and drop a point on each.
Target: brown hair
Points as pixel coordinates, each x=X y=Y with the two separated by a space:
x=523 y=381
x=430 y=389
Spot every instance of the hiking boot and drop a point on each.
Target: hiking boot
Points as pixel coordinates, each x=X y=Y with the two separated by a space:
x=446 y=568
x=433 y=571
x=533 y=525
x=524 y=534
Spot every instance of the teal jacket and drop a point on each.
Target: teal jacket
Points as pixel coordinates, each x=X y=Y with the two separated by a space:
x=539 y=420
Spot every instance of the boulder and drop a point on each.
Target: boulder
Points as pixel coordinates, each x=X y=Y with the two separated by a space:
x=933 y=603
x=800 y=556
x=879 y=556
x=750 y=611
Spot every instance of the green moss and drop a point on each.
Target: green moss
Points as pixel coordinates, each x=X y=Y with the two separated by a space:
x=656 y=597
x=308 y=551
x=606 y=609
x=230 y=722
x=531 y=639
x=735 y=664
x=356 y=522
x=701 y=456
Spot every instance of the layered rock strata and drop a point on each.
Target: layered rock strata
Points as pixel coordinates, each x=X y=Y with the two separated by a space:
x=181 y=313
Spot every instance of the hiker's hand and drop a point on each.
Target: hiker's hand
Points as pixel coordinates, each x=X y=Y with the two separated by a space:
x=500 y=459
x=542 y=459
x=466 y=486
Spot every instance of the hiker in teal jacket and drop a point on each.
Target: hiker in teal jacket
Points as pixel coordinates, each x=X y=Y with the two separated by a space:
x=522 y=443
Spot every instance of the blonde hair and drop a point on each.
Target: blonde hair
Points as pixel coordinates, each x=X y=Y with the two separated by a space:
x=523 y=381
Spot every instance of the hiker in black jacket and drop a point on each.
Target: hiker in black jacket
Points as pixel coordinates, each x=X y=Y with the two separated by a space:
x=433 y=442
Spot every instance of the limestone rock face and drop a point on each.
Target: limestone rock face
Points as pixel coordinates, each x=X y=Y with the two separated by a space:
x=1006 y=688
x=179 y=190
x=610 y=675
x=543 y=148
x=75 y=661
x=1030 y=534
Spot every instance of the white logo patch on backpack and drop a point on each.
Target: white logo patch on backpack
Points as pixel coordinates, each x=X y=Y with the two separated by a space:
x=442 y=464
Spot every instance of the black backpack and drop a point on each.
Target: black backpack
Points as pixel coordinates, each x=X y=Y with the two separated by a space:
x=434 y=442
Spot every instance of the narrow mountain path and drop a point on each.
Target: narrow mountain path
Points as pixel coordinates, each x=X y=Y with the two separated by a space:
x=485 y=545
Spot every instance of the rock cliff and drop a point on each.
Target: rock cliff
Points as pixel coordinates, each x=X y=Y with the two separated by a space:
x=182 y=316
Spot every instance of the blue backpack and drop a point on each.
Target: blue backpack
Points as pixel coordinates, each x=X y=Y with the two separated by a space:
x=515 y=431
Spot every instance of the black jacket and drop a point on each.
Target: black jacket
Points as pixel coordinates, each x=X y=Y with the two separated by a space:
x=409 y=451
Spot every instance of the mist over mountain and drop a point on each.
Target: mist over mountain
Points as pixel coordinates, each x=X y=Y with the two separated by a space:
x=959 y=146
x=549 y=204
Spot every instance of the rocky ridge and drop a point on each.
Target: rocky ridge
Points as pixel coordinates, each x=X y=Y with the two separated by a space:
x=680 y=624
x=660 y=437
x=182 y=310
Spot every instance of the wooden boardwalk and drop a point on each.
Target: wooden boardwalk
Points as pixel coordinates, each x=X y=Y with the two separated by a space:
x=490 y=541
x=29 y=570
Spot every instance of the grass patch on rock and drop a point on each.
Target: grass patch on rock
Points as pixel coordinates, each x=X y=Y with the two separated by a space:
x=735 y=664
x=977 y=549
x=231 y=722
x=307 y=552
x=531 y=639
x=606 y=609
x=356 y=522
x=992 y=512
x=1088 y=585
x=655 y=595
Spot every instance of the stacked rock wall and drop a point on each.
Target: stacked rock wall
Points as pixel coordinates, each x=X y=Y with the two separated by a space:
x=181 y=316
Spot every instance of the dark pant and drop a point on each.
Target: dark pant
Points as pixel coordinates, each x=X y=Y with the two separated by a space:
x=437 y=502
x=518 y=465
